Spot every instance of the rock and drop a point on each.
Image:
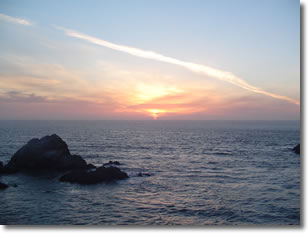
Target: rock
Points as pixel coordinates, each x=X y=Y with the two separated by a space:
x=8 y=170
x=143 y=174
x=4 y=169
x=297 y=149
x=1 y=167
x=112 y=163
x=111 y=173
x=3 y=186
x=91 y=166
x=101 y=174
x=70 y=162
x=47 y=153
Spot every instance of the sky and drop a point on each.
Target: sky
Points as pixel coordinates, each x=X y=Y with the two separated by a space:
x=150 y=60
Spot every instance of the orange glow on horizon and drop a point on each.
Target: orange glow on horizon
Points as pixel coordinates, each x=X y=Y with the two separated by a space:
x=155 y=113
x=161 y=101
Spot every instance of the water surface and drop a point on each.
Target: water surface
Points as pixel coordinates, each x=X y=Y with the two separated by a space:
x=202 y=173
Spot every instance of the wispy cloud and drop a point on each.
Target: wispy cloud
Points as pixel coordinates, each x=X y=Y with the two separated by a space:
x=197 y=68
x=15 y=20
x=55 y=82
x=22 y=97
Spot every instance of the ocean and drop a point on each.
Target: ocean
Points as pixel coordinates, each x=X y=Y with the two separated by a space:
x=201 y=173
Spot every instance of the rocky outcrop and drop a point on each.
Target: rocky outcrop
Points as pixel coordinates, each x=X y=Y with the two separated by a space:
x=140 y=174
x=110 y=163
x=3 y=186
x=101 y=174
x=47 y=153
x=297 y=149
x=6 y=169
x=51 y=153
x=91 y=166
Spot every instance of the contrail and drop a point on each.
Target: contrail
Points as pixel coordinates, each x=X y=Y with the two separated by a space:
x=15 y=20
x=197 y=68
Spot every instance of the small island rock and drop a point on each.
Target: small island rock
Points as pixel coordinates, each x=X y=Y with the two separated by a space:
x=3 y=186
x=91 y=166
x=143 y=174
x=101 y=174
x=297 y=149
x=112 y=163
x=47 y=153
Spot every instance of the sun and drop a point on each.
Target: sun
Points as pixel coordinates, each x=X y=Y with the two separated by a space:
x=155 y=113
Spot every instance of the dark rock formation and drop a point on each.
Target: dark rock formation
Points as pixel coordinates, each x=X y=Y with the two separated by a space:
x=143 y=174
x=297 y=149
x=1 y=167
x=8 y=170
x=101 y=174
x=3 y=186
x=51 y=153
x=47 y=153
x=112 y=163
x=91 y=166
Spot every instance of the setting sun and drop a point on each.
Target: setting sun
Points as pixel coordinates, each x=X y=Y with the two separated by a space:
x=155 y=113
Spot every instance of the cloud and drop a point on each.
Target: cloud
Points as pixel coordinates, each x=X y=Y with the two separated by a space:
x=55 y=82
x=31 y=106
x=15 y=20
x=21 y=97
x=48 y=79
x=197 y=68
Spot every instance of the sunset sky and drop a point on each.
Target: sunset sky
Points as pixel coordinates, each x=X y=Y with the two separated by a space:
x=206 y=59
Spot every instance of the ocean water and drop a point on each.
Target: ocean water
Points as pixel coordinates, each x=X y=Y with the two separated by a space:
x=202 y=173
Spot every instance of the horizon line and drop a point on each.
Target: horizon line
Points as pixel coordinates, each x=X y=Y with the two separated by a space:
x=148 y=120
